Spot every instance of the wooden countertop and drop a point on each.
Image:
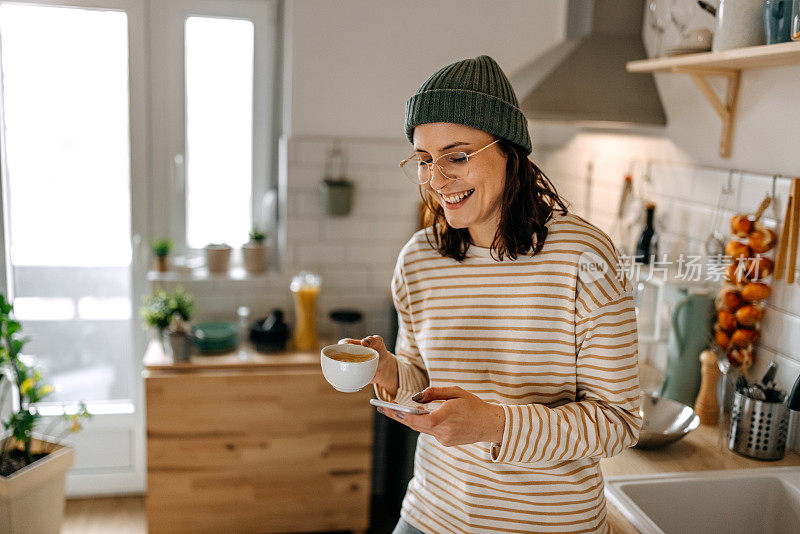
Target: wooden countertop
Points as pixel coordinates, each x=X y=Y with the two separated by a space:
x=156 y=360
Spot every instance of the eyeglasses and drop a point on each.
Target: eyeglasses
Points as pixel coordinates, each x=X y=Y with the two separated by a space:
x=453 y=165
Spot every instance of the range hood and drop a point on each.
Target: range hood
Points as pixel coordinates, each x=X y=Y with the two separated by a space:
x=583 y=79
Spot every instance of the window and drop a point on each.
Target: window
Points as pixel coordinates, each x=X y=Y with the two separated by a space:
x=214 y=61
x=90 y=166
x=66 y=109
x=219 y=130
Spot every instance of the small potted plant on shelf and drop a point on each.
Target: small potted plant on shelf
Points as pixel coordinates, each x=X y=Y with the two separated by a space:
x=336 y=196
x=218 y=257
x=254 y=252
x=158 y=312
x=161 y=249
x=33 y=467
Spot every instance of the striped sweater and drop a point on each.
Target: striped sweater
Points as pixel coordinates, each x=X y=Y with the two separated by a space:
x=552 y=339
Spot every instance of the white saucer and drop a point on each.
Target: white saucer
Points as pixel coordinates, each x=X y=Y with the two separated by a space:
x=343 y=390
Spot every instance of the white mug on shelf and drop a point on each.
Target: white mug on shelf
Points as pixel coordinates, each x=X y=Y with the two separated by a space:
x=739 y=24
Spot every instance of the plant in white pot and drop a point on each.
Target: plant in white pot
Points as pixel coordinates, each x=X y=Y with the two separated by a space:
x=218 y=257
x=159 y=310
x=254 y=252
x=33 y=467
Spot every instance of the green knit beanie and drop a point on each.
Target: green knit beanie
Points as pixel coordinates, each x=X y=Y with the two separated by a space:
x=474 y=92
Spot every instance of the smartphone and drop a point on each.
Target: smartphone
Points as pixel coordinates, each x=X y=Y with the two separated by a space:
x=399 y=407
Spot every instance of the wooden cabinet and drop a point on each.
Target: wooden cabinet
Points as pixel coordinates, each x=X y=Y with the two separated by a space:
x=256 y=445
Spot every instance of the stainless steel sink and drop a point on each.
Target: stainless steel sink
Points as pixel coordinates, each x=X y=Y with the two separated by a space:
x=743 y=501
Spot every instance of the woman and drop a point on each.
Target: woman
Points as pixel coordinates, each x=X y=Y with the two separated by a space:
x=513 y=318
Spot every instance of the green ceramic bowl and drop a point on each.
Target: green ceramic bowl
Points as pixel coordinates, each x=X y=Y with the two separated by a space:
x=215 y=336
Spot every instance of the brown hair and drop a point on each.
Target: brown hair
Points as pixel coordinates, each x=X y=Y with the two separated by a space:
x=526 y=205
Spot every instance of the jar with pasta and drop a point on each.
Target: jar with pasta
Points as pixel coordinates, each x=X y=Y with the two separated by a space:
x=305 y=287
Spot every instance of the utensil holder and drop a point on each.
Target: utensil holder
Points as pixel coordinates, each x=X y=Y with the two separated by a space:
x=758 y=429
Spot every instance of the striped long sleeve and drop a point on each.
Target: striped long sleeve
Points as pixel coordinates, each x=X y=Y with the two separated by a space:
x=605 y=418
x=412 y=375
x=551 y=338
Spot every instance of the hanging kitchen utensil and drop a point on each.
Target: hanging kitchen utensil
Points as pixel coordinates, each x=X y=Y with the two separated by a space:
x=708 y=8
x=780 y=257
x=620 y=230
x=769 y=376
x=715 y=242
x=761 y=208
x=627 y=190
x=795 y=230
x=725 y=387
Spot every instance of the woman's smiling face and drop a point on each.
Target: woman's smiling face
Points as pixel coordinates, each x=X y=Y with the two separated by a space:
x=484 y=184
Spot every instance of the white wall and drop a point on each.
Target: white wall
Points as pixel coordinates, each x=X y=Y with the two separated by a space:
x=356 y=62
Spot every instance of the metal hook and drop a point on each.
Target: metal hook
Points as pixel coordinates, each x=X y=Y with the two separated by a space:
x=648 y=178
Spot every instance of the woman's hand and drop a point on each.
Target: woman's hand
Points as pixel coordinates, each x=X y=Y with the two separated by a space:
x=463 y=418
x=386 y=375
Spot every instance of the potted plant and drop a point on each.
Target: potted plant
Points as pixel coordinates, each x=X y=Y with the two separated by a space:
x=158 y=311
x=218 y=257
x=179 y=334
x=335 y=190
x=162 y=248
x=33 y=467
x=254 y=252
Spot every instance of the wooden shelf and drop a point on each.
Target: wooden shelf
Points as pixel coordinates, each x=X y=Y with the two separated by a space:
x=727 y=64
x=201 y=274
x=752 y=57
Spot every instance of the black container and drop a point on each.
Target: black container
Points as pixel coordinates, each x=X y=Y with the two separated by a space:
x=270 y=334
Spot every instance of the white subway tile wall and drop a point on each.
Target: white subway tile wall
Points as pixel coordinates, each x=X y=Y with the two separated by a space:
x=686 y=196
x=354 y=254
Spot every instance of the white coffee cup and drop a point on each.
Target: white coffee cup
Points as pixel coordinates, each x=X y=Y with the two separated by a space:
x=345 y=376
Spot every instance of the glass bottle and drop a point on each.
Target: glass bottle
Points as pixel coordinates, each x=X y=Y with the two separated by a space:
x=243 y=327
x=305 y=287
x=795 y=31
x=645 y=245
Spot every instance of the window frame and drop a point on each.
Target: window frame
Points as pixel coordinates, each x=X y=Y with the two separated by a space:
x=125 y=418
x=167 y=20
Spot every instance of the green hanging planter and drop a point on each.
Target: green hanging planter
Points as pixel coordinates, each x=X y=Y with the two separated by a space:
x=336 y=196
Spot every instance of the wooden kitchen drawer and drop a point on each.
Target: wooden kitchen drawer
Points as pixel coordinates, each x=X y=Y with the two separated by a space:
x=256 y=450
